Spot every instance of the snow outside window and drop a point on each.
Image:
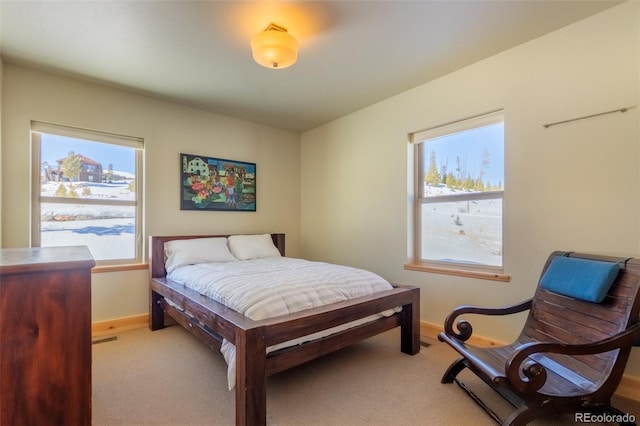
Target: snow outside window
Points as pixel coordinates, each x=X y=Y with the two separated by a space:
x=87 y=191
x=459 y=191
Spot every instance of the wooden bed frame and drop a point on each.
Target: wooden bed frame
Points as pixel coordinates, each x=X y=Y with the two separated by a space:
x=212 y=321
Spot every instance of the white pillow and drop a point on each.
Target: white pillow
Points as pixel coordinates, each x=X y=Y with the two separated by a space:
x=246 y=247
x=196 y=250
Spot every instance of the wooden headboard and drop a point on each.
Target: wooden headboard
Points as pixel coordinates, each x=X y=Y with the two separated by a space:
x=156 y=249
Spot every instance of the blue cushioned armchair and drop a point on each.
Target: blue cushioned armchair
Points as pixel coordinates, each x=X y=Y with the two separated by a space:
x=572 y=351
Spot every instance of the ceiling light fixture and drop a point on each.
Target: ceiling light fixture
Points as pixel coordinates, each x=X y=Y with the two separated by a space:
x=274 y=47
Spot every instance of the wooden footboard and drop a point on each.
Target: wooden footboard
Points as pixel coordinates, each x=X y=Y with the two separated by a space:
x=211 y=322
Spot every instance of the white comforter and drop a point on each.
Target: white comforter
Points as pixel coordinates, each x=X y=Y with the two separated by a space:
x=269 y=287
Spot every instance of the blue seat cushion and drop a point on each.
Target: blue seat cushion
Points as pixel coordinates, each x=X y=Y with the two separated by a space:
x=582 y=279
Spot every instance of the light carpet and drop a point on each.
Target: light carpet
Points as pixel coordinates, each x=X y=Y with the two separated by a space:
x=167 y=377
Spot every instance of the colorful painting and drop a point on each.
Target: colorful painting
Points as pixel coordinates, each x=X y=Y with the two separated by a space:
x=217 y=184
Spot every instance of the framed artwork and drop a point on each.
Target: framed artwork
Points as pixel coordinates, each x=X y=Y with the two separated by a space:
x=216 y=184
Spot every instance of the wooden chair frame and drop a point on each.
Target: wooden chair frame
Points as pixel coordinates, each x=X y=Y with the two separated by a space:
x=569 y=357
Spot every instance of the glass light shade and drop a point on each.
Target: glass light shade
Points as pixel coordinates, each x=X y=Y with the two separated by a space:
x=274 y=49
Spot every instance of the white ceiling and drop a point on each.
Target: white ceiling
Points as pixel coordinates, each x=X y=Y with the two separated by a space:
x=352 y=53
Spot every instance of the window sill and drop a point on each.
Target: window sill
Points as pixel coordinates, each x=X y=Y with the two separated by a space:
x=492 y=276
x=119 y=268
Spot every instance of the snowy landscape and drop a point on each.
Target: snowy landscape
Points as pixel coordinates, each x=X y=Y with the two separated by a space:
x=463 y=231
x=108 y=231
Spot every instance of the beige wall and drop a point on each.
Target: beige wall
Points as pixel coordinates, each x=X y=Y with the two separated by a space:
x=569 y=187
x=341 y=195
x=1 y=84
x=168 y=129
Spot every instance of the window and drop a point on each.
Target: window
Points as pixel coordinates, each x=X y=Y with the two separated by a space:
x=459 y=190
x=87 y=191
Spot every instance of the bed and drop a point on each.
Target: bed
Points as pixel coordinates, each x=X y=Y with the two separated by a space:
x=215 y=323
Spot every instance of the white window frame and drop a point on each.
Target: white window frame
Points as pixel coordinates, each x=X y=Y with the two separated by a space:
x=439 y=266
x=39 y=128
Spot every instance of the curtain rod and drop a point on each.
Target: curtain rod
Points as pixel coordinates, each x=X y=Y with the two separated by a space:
x=546 y=126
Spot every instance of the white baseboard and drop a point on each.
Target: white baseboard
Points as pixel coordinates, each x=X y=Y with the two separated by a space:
x=629 y=385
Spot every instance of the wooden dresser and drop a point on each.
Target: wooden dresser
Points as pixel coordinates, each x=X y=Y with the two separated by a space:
x=45 y=336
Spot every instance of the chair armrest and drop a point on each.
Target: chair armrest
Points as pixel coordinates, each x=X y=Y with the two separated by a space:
x=536 y=375
x=464 y=327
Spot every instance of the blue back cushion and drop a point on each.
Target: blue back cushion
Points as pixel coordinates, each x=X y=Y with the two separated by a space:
x=582 y=279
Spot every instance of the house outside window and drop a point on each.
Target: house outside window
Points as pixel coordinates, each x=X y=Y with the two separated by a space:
x=459 y=193
x=87 y=190
x=90 y=170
